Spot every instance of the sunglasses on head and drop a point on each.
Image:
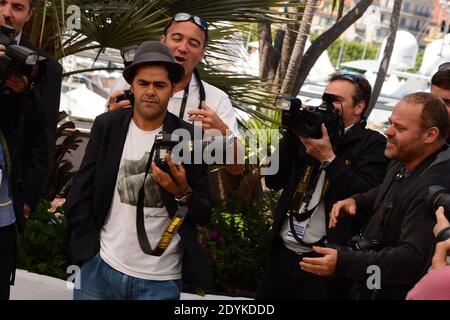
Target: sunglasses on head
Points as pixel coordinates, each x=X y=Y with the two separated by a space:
x=353 y=77
x=183 y=16
x=444 y=67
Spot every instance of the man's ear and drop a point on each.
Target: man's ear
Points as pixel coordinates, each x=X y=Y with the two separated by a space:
x=32 y=10
x=431 y=135
x=162 y=39
x=359 y=108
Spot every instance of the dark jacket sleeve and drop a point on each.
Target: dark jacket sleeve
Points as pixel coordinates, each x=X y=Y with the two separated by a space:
x=35 y=148
x=400 y=264
x=286 y=153
x=366 y=172
x=51 y=94
x=200 y=210
x=83 y=229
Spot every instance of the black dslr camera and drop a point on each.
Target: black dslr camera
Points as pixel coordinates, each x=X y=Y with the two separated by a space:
x=164 y=143
x=359 y=243
x=17 y=59
x=438 y=196
x=306 y=121
x=127 y=95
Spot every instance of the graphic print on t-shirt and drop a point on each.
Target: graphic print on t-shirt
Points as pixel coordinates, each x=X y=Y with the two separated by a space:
x=129 y=182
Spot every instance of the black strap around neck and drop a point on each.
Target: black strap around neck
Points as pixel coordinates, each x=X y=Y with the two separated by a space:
x=201 y=90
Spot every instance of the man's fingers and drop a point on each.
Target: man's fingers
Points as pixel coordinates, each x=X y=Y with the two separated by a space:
x=440 y=215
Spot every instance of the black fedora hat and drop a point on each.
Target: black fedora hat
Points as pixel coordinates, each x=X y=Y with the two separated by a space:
x=154 y=52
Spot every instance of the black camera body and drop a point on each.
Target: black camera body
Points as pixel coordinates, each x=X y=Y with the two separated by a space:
x=438 y=196
x=306 y=121
x=164 y=143
x=359 y=243
x=17 y=59
x=127 y=95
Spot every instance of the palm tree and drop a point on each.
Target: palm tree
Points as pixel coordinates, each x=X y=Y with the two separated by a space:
x=384 y=65
x=119 y=23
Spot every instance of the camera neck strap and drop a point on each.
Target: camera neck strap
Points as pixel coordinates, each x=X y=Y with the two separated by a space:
x=298 y=207
x=172 y=227
x=201 y=90
x=303 y=193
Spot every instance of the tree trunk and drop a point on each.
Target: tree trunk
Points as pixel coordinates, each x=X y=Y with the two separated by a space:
x=384 y=65
x=324 y=41
x=288 y=43
x=297 y=52
x=267 y=61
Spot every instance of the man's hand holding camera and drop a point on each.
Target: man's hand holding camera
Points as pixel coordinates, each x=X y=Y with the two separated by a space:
x=165 y=181
x=323 y=266
x=320 y=149
x=113 y=105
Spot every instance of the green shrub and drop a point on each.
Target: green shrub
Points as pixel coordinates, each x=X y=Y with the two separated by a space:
x=42 y=247
x=237 y=242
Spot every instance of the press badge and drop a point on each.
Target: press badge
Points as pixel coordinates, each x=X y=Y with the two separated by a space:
x=299 y=228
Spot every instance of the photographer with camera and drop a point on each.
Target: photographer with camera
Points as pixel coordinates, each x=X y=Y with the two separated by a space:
x=194 y=100
x=29 y=93
x=133 y=224
x=435 y=285
x=319 y=165
x=398 y=239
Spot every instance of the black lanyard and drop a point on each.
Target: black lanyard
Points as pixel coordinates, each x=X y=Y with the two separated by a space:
x=171 y=229
x=302 y=196
x=202 y=94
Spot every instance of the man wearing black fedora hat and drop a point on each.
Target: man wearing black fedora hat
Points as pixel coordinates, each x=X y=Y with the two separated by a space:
x=194 y=100
x=132 y=225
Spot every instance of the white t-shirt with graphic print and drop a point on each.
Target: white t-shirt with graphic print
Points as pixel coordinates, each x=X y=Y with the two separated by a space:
x=119 y=246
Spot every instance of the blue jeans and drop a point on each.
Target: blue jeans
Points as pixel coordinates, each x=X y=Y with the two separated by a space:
x=99 y=281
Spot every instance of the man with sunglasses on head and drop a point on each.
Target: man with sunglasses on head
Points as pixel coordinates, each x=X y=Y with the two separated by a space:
x=321 y=173
x=194 y=100
x=440 y=86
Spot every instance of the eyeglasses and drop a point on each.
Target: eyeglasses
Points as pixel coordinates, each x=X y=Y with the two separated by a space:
x=183 y=16
x=444 y=67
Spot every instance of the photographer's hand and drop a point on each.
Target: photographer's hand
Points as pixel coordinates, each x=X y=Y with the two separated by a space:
x=165 y=181
x=347 y=206
x=113 y=105
x=17 y=83
x=440 y=254
x=320 y=149
x=208 y=118
x=323 y=266
x=441 y=222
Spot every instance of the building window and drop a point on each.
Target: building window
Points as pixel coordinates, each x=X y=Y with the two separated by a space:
x=406 y=7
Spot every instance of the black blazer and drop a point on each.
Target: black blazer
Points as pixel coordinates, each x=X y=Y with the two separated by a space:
x=49 y=87
x=91 y=194
x=25 y=119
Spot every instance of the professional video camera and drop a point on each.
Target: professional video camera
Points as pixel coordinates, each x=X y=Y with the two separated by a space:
x=17 y=59
x=165 y=143
x=438 y=196
x=306 y=121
